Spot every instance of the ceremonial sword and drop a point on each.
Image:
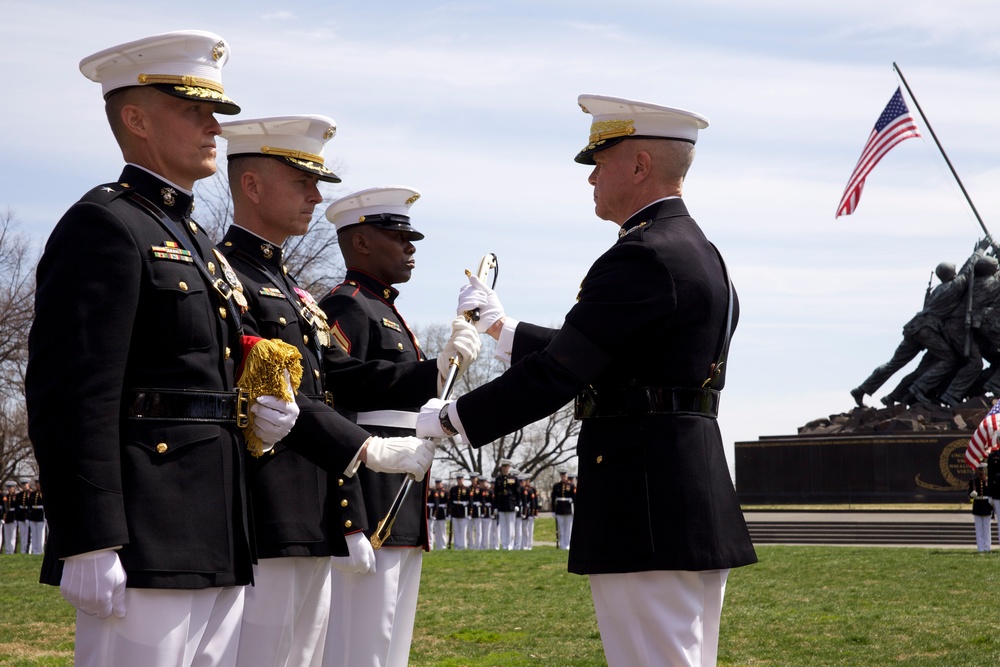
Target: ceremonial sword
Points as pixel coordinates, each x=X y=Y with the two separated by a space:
x=381 y=533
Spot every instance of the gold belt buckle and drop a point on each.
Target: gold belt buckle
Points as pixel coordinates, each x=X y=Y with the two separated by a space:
x=328 y=398
x=242 y=409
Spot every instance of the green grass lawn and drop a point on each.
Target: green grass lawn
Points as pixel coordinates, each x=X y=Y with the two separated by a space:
x=798 y=607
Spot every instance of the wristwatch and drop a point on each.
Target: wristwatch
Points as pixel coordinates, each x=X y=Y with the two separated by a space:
x=445 y=420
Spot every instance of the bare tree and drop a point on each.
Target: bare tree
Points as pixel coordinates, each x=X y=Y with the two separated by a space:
x=17 y=291
x=538 y=449
x=313 y=258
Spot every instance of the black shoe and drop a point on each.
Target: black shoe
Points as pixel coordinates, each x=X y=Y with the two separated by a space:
x=950 y=401
x=919 y=396
x=888 y=401
x=859 y=394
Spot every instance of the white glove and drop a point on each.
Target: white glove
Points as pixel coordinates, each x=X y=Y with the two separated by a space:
x=94 y=583
x=463 y=346
x=408 y=455
x=429 y=419
x=274 y=417
x=361 y=559
x=477 y=295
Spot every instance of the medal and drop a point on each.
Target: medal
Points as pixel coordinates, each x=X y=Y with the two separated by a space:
x=232 y=279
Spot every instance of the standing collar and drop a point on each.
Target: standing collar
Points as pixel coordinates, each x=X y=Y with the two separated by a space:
x=386 y=292
x=668 y=206
x=254 y=245
x=174 y=200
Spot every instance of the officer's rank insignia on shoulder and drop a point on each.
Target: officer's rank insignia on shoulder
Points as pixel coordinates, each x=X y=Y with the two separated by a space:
x=272 y=292
x=170 y=250
x=337 y=334
x=389 y=324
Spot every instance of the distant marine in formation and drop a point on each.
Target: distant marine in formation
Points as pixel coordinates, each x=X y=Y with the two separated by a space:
x=958 y=332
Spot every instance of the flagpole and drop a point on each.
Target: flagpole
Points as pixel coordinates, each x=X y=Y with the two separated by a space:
x=941 y=148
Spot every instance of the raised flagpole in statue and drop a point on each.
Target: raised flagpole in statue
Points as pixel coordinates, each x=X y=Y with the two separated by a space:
x=941 y=148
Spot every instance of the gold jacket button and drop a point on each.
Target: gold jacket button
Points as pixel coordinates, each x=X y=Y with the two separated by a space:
x=193 y=226
x=161 y=448
x=305 y=339
x=348 y=524
x=343 y=503
x=316 y=373
x=282 y=320
x=228 y=352
x=600 y=458
x=399 y=345
x=183 y=285
x=340 y=482
x=222 y=312
x=211 y=268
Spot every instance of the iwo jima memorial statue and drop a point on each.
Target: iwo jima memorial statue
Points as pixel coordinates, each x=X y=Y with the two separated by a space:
x=915 y=447
x=912 y=448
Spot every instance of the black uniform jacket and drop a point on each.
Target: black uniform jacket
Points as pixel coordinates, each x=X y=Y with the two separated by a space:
x=650 y=313
x=506 y=494
x=294 y=511
x=119 y=307
x=364 y=323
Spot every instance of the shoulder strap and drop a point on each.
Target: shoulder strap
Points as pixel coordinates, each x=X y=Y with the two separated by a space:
x=305 y=315
x=715 y=371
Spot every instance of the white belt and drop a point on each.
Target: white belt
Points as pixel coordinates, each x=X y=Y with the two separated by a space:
x=388 y=418
x=568 y=500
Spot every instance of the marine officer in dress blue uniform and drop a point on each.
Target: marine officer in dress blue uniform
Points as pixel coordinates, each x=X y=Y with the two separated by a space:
x=137 y=434
x=375 y=596
x=275 y=165
x=668 y=536
x=563 y=493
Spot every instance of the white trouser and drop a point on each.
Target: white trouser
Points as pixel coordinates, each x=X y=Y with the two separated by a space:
x=495 y=532
x=440 y=533
x=9 y=537
x=164 y=628
x=287 y=611
x=483 y=528
x=507 y=530
x=657 y=618
x=371 y=621
x=37 y=536
x=528 y=533
x=22 y=536
x=473 y=542
x=982 y=532
x=564 y=523
x=996 y=511
x=459 y=532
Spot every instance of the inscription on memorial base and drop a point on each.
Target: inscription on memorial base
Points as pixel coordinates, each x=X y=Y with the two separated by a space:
x=872 y=456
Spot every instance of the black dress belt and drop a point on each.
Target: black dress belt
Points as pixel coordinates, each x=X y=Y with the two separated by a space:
x=636 y=401
x=325 y=397
x=192 y=405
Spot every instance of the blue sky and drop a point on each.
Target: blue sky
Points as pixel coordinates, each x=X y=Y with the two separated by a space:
x=474 y=104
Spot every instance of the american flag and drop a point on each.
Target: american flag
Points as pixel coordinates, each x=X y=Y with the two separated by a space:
x=893 y=126
x=983 y=440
